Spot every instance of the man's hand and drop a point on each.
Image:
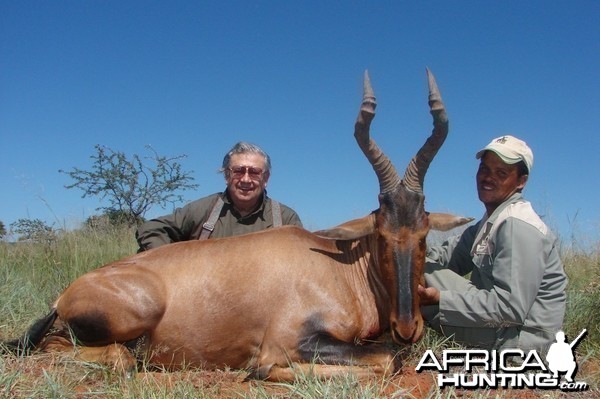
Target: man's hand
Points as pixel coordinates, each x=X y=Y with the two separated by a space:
x=429 y=295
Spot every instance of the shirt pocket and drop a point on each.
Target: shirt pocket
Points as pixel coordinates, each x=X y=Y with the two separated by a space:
x=484 y=264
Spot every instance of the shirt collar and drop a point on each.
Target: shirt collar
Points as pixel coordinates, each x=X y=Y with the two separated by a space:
x=516 y=197
x=229 y=203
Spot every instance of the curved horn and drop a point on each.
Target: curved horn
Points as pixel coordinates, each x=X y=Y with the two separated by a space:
x=415 y=172
x=386 y=173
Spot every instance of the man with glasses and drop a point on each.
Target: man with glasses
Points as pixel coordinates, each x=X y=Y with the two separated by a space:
x=243 y=208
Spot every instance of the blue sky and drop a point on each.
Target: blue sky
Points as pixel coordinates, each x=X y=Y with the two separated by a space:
x=194 y=77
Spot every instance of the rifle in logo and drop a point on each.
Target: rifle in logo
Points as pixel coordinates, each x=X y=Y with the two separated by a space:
x=560 y=356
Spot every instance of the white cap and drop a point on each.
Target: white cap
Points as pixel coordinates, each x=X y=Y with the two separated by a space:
x=511 y=150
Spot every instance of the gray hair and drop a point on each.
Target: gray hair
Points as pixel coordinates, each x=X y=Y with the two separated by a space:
x=243 y=147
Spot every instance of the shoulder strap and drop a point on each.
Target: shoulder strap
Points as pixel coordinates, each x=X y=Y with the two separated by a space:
x=209 y=225
x=276 y=211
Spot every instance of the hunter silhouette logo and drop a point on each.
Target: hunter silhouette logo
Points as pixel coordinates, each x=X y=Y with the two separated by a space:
x=560 y=356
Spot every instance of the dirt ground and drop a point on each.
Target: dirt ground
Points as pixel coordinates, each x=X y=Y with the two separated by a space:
x=408 y=383
x=84 y=379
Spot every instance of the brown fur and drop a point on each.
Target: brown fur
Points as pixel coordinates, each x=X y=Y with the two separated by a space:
x=273 y=301
x=245 y=302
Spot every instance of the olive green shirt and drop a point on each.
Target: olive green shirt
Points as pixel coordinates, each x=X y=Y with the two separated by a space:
x=186 y=223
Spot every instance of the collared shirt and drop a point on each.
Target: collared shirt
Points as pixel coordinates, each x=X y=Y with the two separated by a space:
x=518 y=279
x=186 y=222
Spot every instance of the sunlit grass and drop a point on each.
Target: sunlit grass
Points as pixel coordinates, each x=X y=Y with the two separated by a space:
x=32 y=276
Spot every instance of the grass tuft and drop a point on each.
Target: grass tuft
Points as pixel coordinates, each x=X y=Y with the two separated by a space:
x=33 y=275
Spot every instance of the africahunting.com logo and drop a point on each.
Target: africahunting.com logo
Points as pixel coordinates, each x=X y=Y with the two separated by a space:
x=508 y=368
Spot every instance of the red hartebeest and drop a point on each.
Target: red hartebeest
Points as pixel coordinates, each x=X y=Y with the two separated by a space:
x=270 y=302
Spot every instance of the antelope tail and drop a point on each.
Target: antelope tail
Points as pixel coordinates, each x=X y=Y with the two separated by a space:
x=32 y=336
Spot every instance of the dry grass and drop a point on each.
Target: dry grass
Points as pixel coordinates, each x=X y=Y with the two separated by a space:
x=32 y=275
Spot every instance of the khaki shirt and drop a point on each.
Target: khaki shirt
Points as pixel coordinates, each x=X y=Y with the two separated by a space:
x=186 y=222
x=517 y=282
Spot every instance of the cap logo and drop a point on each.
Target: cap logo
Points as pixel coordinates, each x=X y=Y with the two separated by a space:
x=501 y=140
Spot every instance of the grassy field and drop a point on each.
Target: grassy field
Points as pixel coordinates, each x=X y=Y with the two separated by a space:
x=32 y=276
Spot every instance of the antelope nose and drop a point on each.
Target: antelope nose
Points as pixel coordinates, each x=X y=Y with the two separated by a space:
x=407 y=332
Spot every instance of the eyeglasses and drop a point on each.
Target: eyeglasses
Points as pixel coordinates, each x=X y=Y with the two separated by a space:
x=238 y=172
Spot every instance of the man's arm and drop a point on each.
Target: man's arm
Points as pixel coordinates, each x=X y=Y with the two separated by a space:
x=175 y=227
x=517 y=271
x=454 y=253
x=160 y=231
x=289 y=216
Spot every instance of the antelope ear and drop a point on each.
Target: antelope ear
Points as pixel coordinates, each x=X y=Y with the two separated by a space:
x=445 y=221
x=350 y=230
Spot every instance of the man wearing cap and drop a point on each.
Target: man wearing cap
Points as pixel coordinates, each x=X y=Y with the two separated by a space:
x=515 y=294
